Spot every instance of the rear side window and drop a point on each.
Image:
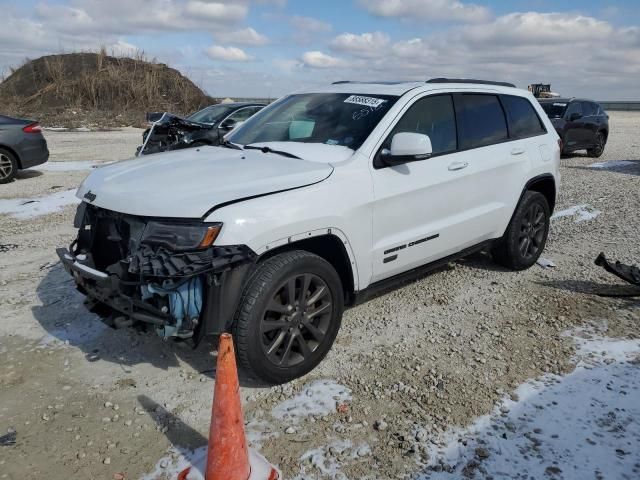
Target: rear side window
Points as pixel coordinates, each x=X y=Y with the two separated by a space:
x=523 y=119
x=432 y=116
x=481 y=120
x=588 y=109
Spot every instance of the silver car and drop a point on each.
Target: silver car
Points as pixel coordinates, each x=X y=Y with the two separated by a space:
x=22 y=145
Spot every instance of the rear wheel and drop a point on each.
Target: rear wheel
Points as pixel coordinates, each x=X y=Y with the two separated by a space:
x=526 y=235
x=598 y=148
x=288 y=317
x=8 y=166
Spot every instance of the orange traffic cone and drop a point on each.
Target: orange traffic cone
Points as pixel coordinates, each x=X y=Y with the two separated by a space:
x=228 y=457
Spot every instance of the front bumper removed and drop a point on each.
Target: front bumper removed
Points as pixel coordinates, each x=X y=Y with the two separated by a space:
x=107 y=289
x=205 y=287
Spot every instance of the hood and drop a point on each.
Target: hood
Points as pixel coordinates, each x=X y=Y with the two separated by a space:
x=188 y=183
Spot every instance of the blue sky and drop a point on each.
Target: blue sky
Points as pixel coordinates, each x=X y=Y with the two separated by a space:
x=269 y=47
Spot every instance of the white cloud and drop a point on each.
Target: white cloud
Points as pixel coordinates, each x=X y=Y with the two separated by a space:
x=217 y=12
x=130 y=17
x=431 y=10
x=317 y=59
x=539 y=28
x=228 y=54
x=309 y=24
x=246 y=36
x=363 y=45
x=122 y=49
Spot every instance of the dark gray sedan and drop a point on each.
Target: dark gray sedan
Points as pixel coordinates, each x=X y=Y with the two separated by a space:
x=22 y=145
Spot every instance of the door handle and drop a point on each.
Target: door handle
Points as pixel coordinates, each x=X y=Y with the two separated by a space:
x=458 y=165
x=517 y=151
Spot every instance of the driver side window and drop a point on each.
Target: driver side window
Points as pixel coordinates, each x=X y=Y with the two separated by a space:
x=433 y=116
x=575 y=107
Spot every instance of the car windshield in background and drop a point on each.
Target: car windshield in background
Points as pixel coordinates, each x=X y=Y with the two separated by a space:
x=211 y=114
x=329 y=118
x=554 y=109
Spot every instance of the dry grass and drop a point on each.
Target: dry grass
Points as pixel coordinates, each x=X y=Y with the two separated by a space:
x=116 y=86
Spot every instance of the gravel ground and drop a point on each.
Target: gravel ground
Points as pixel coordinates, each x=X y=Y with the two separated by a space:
x=90 y=402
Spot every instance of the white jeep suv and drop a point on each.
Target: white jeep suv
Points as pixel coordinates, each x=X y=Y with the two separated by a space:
x=314 y=203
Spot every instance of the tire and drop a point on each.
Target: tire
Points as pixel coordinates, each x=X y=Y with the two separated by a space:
x=8 y=166
x=525 y=238
x=276 y=340
x=598 y=149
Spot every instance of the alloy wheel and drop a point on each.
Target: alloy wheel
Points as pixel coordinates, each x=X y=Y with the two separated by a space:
x=599 y=147
x=6 y=166
x=532 y=231
x=296 y=319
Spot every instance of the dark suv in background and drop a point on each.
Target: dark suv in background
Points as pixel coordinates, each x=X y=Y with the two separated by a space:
x=581 y=124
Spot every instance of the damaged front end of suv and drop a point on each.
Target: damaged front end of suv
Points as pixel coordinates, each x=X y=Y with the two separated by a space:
x=164 y=273
x=171 y=132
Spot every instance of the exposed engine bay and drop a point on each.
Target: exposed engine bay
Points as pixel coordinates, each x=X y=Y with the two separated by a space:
x=171 y=132
x=157 y=272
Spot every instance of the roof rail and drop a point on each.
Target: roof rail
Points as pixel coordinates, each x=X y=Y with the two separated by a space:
x=382 y=82
x=469 y=80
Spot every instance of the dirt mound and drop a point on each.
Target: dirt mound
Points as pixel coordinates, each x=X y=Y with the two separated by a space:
x=95 y=89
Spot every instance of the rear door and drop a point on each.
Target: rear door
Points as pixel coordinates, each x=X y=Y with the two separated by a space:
x=591 y=122
x=576 y=130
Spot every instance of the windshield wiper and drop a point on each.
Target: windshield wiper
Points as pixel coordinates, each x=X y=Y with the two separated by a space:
x=228 y=144
x=266 y=149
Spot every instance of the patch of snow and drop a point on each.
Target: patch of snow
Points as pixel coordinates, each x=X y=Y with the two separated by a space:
x=67 y=166
x=176 y=461
x=55 y=129
x=317 y=398
x=545 y=262
x=581 y=212
x=25 y=208
x=325 y=459
x=582 y=425
x=612 y=164
x=83 y=129
x=259 y=431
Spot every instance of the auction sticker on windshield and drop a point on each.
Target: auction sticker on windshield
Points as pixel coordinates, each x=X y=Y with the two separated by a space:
x=366 y=101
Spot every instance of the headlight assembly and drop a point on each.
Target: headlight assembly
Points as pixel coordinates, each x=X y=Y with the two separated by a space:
x=181 y=236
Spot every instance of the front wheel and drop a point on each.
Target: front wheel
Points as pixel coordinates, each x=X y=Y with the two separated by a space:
x=598 y=148
x=288 y=317
x=525 y=238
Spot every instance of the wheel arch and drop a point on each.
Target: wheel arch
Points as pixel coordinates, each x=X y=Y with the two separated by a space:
x=605 y=131
x=544 y=184
x=329 y=244
x=12 y=152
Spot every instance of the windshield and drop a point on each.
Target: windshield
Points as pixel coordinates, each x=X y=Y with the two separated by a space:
x=329 y=118
x=554 y=109
x=211 y=114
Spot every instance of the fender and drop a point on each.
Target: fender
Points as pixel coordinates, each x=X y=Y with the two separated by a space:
x=336 y=232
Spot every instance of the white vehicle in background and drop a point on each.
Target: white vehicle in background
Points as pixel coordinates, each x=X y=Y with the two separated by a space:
x=312 y=204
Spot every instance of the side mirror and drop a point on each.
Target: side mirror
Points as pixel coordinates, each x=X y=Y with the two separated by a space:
x=407 y=147
x=228 y=125
x=575 y=116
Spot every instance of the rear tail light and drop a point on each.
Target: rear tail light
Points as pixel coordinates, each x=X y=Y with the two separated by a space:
x=32 y=128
